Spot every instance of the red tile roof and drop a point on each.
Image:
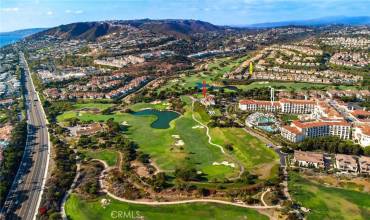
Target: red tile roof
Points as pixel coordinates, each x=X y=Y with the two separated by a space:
x=297 y=101
x=257 y=102
x=360 y=112
x=365 y=129
x=291 y=129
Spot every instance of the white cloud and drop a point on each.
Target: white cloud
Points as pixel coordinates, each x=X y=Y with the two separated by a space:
x=49 y=13
x=9 y=9
x=73 y=12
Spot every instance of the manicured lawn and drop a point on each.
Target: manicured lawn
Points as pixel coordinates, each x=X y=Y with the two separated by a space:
x=329 y=202
x=289 y=117
x=79 y=209
x=139 y=106
x=164 y=147
x=216 y=69
x=254 y=155
x=109 y=156
x=91 y=105
x=66 y=115
x=201 y=112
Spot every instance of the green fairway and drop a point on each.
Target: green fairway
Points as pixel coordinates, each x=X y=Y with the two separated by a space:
x=158 y=106
x=184 y=143
x=216 y=69
x=329 y=202
x=250 y=151
x=79 y=209
x=82 y=106
x=109 y=156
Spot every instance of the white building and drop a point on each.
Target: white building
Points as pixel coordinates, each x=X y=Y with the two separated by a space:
x=298 y=130
x=346 y=163
x=257 y=105
x=293 y=106
x=364 y=163
x=292 y=134
x=290 y=106
x=309 y=159
x=361 y=134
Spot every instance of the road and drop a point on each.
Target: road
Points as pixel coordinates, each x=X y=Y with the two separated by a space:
x=25 y=194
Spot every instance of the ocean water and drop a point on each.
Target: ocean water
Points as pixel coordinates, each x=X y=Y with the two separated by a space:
x=6 y=39
x=14 y=36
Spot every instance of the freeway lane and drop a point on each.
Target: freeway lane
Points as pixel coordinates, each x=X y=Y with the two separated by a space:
x=25 y=194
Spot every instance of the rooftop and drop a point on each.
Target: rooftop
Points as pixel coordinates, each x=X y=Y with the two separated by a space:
x=309 y=156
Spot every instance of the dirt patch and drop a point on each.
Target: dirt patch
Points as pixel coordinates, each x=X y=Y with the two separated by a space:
x=140 y=169
x=264 y=170
x=356 y=183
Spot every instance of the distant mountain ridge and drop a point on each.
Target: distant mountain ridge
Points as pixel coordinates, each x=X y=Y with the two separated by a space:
x=93 y=30
x=179 y=28
x=334 y=20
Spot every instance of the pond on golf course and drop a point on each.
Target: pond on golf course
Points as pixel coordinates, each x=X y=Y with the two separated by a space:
x=163 y=117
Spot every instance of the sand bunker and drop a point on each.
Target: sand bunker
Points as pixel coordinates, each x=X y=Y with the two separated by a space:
x=225 y=163
x=197 y=126
x=179 y=143
x=104 y=202
x=155 y=102
x=124 y=123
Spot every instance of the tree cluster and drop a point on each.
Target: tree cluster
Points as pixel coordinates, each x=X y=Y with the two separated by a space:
x=12 y=155
x=330 y=144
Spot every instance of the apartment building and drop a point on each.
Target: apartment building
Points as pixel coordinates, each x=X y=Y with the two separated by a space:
x=298 y=130
x=324 y=110
x=364 y=164
x=361 y=135
x=309 y=159
x=293 y=106
x=257 y=105
x=346 y=163
x=292 y=134
x=289 y=106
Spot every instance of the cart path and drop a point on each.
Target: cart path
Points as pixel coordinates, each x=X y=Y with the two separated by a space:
x=156 y=203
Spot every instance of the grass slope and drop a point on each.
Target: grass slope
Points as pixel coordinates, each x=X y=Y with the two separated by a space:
x=79 y=209
x=329 y=202
x=109 y=156
x=254 y=155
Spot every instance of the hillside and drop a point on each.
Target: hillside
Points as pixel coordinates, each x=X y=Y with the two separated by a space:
x=93 y=30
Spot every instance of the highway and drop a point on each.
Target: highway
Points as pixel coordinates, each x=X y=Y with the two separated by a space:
x=24 y=196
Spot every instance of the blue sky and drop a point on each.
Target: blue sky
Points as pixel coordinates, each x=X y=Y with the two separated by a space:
x=19 y=14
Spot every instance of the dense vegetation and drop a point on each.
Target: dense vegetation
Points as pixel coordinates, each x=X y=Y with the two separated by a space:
x=330 y=144
x=12 y=155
